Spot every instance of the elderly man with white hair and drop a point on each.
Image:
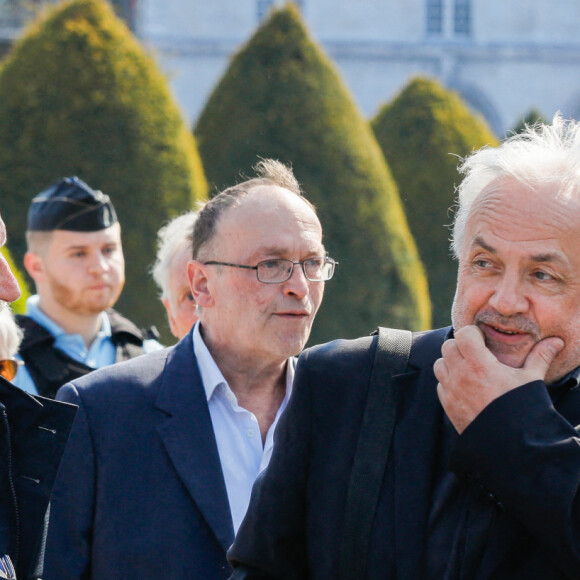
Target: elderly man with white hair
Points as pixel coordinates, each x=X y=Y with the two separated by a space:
x=451 y=454
x=170 y=273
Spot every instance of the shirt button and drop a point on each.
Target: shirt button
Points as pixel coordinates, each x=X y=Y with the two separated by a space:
x=250 y=433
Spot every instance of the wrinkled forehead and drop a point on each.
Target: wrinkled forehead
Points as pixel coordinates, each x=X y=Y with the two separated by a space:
x=527 y=206
x=518 y=212
x=181 y=257
x=269 y=218
x=269 y=209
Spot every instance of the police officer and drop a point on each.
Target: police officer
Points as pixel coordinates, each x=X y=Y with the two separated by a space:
x=76 y=260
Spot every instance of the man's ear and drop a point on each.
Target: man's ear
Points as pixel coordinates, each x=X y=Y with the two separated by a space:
x=34 y=266
x=199 y=283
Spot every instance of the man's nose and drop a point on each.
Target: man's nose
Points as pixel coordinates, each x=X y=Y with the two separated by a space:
x=9 y=289
x=99 y=263
x=509 y=296
x=297 y=284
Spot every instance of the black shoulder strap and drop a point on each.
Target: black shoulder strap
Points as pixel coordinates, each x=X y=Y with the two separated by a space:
x=126 y=337
x=372 y=453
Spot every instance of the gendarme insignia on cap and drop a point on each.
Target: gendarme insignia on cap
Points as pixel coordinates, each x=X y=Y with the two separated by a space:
x=71 y=205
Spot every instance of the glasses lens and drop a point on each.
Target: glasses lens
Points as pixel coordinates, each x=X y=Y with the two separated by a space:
x=318 y=269
x=313 y=268
x=273 y=271
x=8 y=368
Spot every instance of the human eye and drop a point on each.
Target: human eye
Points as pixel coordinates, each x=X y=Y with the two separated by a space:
x=109 y=250
x=314 y=266
x=271 y=264
x=482 y=263
x=316 y=262
x=543 y=276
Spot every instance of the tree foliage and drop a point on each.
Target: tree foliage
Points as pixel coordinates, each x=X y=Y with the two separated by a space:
x=282 y=98
x=78 y=96
x=421 y=133
x=18 y=306
x=531 y=118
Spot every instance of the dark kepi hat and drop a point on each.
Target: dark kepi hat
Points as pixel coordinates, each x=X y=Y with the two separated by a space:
x=71 y=205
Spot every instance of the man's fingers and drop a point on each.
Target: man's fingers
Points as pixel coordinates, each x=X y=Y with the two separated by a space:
x=542 y=355
x=440 y=370
x=470 y=341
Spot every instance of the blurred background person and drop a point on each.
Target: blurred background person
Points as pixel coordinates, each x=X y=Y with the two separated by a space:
x=10 y=339
x=170 y=273
x=75 y=258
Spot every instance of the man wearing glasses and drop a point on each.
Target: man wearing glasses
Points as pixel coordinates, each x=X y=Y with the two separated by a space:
x=159 y=470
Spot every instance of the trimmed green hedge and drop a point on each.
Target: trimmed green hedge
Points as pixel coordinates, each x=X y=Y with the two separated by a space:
x=18 y=306
x=78 y=96
x=282 y=98
x=421 y=133
x=533 y=116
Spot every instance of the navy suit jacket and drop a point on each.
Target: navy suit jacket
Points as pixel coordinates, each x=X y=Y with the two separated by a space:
x=519 y=460
x=140 y=494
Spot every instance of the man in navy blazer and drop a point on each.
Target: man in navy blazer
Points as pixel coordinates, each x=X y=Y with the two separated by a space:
x=481 y=480
x=165 y=449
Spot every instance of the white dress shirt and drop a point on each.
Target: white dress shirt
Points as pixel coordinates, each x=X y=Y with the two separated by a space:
x=236 y=430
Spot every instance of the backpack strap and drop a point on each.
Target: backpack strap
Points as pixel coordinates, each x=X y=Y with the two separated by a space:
x=372 y=452
x=127 y=338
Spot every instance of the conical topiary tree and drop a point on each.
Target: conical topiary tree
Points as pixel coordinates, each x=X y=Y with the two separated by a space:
x=18 y=306
x=281 y=98
x=421 y=133
x=78 y=96
x=534 y=116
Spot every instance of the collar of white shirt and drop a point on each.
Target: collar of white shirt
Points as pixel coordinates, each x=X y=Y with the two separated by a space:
x=212 y=377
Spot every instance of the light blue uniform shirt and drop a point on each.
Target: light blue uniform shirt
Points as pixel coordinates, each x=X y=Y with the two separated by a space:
x=236 y=430
x=102 y=351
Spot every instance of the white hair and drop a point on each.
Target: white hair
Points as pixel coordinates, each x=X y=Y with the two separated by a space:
x=542 y=154
x=171 y=238
x=10 y=333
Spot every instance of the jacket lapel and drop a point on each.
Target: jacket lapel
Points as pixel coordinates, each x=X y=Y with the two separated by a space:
x=189 y=439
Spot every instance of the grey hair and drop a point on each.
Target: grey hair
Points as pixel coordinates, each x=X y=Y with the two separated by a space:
x=268 y=171
x=541 y=154
x=10 y=333
x=171 y=238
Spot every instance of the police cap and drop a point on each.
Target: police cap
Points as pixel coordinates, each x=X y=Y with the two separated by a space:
x=71 y=205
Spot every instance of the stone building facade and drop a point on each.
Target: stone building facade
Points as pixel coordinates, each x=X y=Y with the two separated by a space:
x=503 y=57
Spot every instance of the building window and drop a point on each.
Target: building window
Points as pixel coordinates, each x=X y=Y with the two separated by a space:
x=435 y=17
x=449 y=18
x=462 y=18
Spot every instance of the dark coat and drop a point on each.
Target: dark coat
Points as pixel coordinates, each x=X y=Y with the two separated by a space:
x=520 y=459
x=33 y=434
x=50 y=367
x=141 y=493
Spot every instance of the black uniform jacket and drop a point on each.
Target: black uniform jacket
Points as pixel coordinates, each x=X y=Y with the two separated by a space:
x=33 y=434
x=519 y=460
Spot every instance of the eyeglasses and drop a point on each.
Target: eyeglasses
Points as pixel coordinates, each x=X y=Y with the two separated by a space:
x=317 y=269
x=9 y=367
